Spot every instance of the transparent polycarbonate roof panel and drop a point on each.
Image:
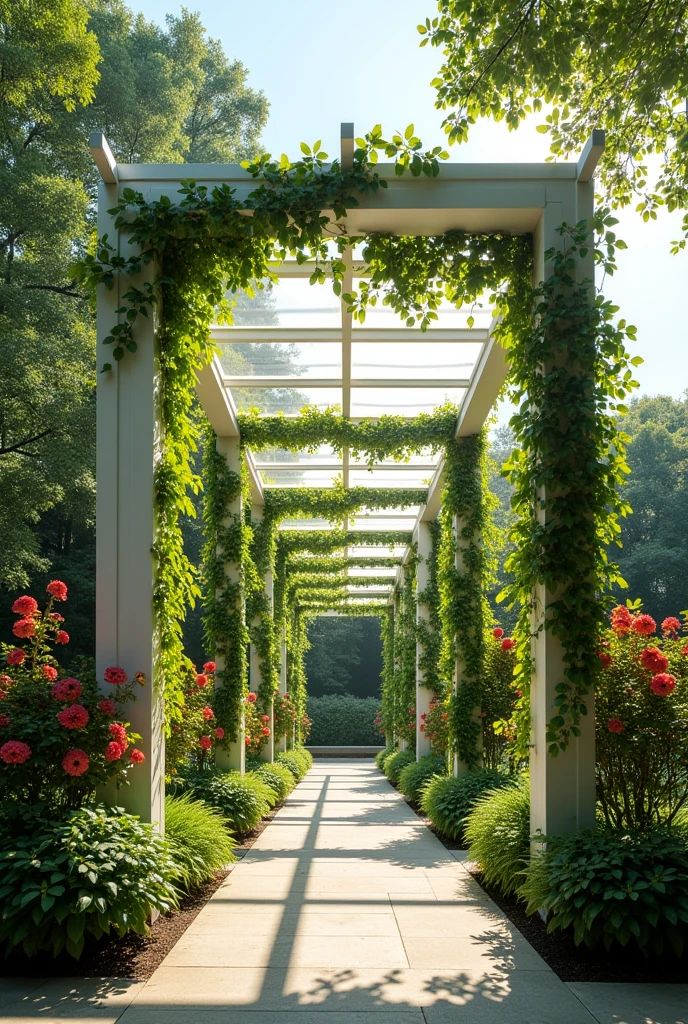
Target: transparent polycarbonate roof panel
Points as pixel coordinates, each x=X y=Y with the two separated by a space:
x=421 y=360
x=399 y=476
x=401 y=401
x=373 y=571
x=299 y=477
x=324 y=455
x=306 y=524
x=448 y=316
x=292 y=302
x=362 y=523
x=290 y=401
x=364 y=551
x=282 y=359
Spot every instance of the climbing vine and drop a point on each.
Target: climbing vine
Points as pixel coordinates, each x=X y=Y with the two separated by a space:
x=429 y=631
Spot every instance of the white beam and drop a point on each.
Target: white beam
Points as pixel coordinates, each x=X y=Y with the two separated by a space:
x=304 y=335
x=216 y=400
x=487 y=378
x=103 y=157
x=299 y=383
x=590 y=157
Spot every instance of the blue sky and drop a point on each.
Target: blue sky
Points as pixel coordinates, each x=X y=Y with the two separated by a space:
x=321 y=63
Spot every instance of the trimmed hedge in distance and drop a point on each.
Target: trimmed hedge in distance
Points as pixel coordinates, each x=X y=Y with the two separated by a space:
x=498 y=833
x=199 y=839
x=447 y=799
x=415 y=775
x=341 y=720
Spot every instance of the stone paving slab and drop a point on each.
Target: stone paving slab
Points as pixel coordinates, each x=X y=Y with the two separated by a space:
x=633 y=1004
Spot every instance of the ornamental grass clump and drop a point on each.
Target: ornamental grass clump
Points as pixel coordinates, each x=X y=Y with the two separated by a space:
x=641 y=708
x=613 y=889
x=415 y=775
x=448 y=799
x=92 y=872
x=60 y=737
x=396 y=762
x=242 y=799
x=199 y=840
x=498 y=833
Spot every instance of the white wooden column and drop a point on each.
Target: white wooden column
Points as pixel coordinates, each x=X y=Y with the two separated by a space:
x=128 y=440
x=267 y=752
x=423 y=693
x=281 y=744
x=232 y=756
x=562 y=788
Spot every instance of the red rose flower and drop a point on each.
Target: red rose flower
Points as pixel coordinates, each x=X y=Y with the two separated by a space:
x=115 y=676
x=653 y=660
x=209 y=667
x=208 y=713
x=56 y=617
x=508 y=644
x=201 y=680
x=662 y=684
x=498 y=632
x=206 y=742
x=15 y=752
x=643 y=624
x=118 y=733
x=73 y=717
x=247 y=740
x=57 y=589
x=16 y=656
x=24 y=628
x=137 y=756
x=113 y=751
x=621 y=619
x=671 y=626
x=49 y=672
x=4 y=720
x=265 y=731
x=75 y=762
x=266 y=718
x=67 y=690
x=219 y=733
x=605 y=658
x=61 y=637
x=108 y=707
x=251 y=698
x=25 y=606
x=615 y=725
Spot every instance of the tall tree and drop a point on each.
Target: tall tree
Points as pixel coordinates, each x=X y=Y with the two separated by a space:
x=620 y=65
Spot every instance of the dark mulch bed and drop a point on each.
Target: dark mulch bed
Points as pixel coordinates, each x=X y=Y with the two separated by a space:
x=568 y=961
x=133 y=956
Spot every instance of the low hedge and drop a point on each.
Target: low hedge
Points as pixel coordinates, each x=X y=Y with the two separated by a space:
x=341 y=720
x=414 y=776
x=448 y=799
x=498 y=832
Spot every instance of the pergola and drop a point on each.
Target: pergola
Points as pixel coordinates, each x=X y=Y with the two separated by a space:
x=370 y=369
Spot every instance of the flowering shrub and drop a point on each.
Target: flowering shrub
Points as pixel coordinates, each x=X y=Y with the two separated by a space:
x=256 y=725
x=196 y=735
x=500 y=696
x=642 y=720
x=435 y=725
x=284 y=714
x=59 y=737
x=305 y=730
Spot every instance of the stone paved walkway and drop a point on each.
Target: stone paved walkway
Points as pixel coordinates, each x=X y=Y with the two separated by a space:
x=345 y=910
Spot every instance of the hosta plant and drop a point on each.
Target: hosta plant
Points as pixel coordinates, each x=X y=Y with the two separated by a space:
x=641 y=707
x=242 y=799
x=60 y=737
x=447 y=799
x=613 y=888
x=91 y=872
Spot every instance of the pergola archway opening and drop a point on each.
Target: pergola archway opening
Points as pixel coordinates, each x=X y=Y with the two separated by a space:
x=368 y=370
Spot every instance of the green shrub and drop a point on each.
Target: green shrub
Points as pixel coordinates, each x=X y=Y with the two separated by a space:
x=395 y=762
x=447 y=799
x=296 y=761
x=382 y=756
x=418 y=773
x=277 y=777
x=199 y=840
x=613 y=887
x=242 y=799
x=93 y=870
x=343 y=720
x=498 y=833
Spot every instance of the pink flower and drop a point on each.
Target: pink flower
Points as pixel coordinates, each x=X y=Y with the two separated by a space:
x=25 y=606
x=113 y=751
x=49 y=672
x=247 y=740
x=643 y=624
x=57 y=589
x=115 y=675
x=251 y=698
x=75 y=762
x=118 y=733
x=662 y=684
x=615 y=725
x=653 y=660
x=265 y=731
x=266 y=718
x=219 y=733
x=210 y=667
x=201 y=680
x=206 y=742
x=4 y=720
x=15 y=752
x=24 y=628
x=66 y=689
x=73 y=717
x=16 y=656
x=137 y=756
x=107 y=706
x=61 y=637
x=671 y=626
x=208 y=713
x=56 y=617
x=507 y=644
x=498 y=632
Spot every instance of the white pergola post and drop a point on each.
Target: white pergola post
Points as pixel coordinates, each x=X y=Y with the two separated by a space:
x=281 y=744
x=232 y=756
x=267 y=752
x=128 y=435
x=423 y=693
x=562 y=788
